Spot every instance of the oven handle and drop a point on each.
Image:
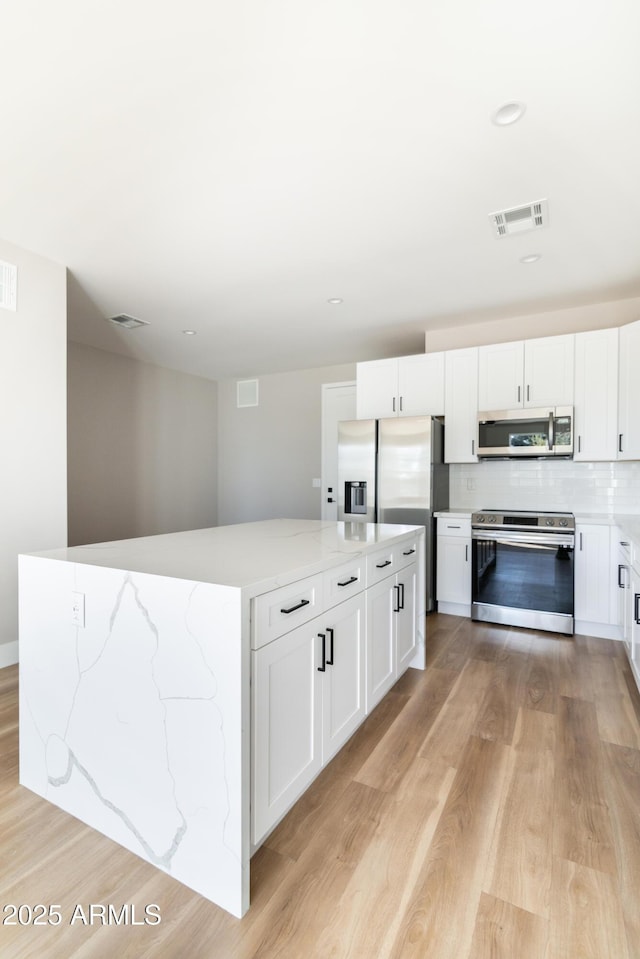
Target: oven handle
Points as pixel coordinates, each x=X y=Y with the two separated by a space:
x=552 y=540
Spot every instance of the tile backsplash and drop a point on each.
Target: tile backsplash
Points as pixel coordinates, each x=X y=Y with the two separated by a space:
x=545 y=485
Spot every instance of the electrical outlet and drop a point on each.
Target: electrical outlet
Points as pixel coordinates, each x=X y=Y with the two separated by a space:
x=316 y=483
x=77 y=609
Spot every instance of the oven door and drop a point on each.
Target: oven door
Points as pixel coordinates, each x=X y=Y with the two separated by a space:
x=523 y=578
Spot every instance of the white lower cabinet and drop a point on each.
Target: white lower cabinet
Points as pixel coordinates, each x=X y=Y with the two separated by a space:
x=633 y=613
x=622 y=569
x=308 y=698
x=453 y=565
x=592 y=572
x=391 y=631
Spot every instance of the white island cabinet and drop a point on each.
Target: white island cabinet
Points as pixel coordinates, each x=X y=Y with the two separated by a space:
x=136 y=686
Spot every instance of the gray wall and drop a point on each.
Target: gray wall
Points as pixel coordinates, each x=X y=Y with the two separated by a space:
x=33 y=498
x=142 y=448
x=269 y=454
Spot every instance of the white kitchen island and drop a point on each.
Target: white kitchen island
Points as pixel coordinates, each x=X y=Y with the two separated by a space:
x=136 y=662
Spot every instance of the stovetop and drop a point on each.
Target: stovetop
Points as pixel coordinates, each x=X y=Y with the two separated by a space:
x=523 y=519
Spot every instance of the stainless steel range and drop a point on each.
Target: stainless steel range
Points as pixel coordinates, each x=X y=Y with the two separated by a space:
x=522 y=569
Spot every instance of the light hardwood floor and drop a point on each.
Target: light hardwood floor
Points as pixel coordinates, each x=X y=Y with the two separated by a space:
x=489 y=808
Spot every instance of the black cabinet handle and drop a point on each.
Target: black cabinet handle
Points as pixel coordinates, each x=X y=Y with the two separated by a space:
x=408 y=552
x=330 y=660
x=323 y=668
x=620 y=568
x=636 y=609
x=397 y=607
x=292 y=609
x=401 y=595
x=387 y=562
x=348 y=582
x=620 y=450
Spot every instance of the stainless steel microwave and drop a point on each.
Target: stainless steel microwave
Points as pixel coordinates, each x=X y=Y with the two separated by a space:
x=522 y=433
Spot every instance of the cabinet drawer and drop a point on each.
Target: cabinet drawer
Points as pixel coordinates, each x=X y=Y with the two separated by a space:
x=454 y=527
x=406 y=553
x=380 y=565
x=281 y=610
x=344 y=581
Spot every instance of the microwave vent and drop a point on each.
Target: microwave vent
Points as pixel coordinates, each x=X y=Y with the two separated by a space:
x=520 y=219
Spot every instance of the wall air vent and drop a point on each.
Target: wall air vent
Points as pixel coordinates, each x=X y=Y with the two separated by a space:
x=246 y=393
x=520 y=219
x=127 y=322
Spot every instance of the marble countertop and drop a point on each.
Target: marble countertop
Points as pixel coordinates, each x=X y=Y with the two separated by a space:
x=246 y=555
x=454 y=513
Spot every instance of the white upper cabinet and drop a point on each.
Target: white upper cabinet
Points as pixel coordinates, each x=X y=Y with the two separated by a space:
x=596 y=396
x=530 y=373
x=629 y=393
x=376 y=389
x=500 y=373
x=461 y=405
x=402 y=386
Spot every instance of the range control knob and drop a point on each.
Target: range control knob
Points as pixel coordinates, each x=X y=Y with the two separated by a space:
x=564 y=522
x=549 y=521
x=492 y=519
x=480 y=519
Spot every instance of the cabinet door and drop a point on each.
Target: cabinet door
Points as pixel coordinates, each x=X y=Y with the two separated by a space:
x=381 y=661
x=634 y=624
x=629 y=393
x=592 y=573
x=548 y=371
x=453 y=581
x=286 y=723
x=377 y=389
x=343 y=699
x=461 y=405
x=500 y=373
x=421 y=384
x=596 y=395
x=406 y=634
x=623 y=586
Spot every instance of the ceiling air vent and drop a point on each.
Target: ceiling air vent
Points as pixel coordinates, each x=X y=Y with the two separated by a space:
x=126 y=322
x=520 y=219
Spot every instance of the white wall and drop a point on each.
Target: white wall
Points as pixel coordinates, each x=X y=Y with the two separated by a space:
x=596 y=316
x=142 y=448
x=33 y=495
x=269 y=454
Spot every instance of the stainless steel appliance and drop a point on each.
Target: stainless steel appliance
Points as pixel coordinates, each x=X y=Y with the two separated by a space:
x=532 y=433
x=523 y=569
x=393 y=471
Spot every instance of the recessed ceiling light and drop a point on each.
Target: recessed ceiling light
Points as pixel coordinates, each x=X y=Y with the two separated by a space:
x=335 y=301
x=189 y=332
x=508 y=113
x=531 y=258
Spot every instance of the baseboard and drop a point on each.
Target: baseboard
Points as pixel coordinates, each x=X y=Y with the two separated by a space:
x=599 y=630
x=8 y=654
x=454 y=609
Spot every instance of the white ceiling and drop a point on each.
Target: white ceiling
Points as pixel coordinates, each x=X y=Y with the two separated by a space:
x=228 y=167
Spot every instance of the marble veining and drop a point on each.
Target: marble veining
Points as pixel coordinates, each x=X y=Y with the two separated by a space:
x=137 y=704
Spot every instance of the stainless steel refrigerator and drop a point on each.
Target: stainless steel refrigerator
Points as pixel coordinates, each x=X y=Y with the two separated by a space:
x=393 y=471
